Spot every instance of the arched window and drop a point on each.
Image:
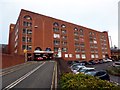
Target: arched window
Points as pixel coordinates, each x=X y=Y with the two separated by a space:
x=76 y=29
x=27 y=17
x=55 y=24
x=48 y=49
x=63 y=26
x=38 y=48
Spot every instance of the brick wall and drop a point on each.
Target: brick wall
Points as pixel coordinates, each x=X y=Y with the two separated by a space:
x=11 y=60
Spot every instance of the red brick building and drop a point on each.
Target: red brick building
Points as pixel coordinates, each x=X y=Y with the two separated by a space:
x=76 y=42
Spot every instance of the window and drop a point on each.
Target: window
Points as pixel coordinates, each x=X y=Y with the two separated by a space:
x=81 y=40
x=55 y=24
x=27 y=24
x=77 y=44
x=27 y=17
x=77 y=49
x=76 y=38
x=23 y=39
x=64 y=49
x=96 y=56
x=56 y=49
x=95 y=42
x=83 y=56
x=82 y=50
x=23 y=47
x=64 y=43
x=29 y=39
x=56 y=29
x=70 y=55
x=24 y=30
x=76 y=29
x=66 y=55
x=29 y=47
x=64 y=37
x=81 y=31
x=76 y=33
x=63 y=26
x=103 y=56
x=56 y=42
x=92 y=56
x=82 y=45
x=64 y=31
x=77 y=55
x=29 y=31
x=56 y=36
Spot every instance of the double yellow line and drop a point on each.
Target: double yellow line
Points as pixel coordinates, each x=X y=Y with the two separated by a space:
x=54 y=78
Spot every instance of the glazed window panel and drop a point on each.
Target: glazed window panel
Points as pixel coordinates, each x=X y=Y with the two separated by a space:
x=77 y=49
x=64 y=43
x=63 y=26
x=29 y=39
x=24 y=39
x=56 y=29
x=77 y=56
x=56 y=42
x=64 y=49
x=76 y=29
x=56 y=49
x=23 y=47
x=27 y=17
x=64 y=31
x=56 y=35
x=64 y=37
x=83 y=56
x=55 y=24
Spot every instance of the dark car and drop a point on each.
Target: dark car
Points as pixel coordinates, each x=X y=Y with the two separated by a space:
x=92 y=62
x=101 y=61
x=100 y=74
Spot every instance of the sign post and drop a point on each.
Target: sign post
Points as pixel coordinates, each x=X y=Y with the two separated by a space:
x=25 y=52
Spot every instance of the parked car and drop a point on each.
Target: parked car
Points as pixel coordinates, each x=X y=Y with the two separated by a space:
x=75 y=69
x=85 y=70
x=101 y=61
x=92 y=62
x=38 y=58
x=116 y=64
x=107 y=60
x=100 y=74
x=97 y=62
x=76 y=64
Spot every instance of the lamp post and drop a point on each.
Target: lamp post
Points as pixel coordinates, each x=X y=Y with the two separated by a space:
x=25 y=52
x=110 y=41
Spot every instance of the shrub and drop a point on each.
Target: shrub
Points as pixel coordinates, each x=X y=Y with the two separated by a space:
x=114 y=70
x=80 y=81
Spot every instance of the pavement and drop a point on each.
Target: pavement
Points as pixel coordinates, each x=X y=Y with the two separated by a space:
x=29 y=75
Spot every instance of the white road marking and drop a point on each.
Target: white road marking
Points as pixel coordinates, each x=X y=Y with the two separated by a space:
x=22 y=78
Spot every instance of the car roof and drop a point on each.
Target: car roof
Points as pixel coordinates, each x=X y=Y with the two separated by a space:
x=88 y=68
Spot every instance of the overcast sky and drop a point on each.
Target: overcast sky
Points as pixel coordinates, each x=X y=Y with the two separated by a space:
x=101 y=15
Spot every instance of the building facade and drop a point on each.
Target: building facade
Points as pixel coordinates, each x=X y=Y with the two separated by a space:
x=33 y=30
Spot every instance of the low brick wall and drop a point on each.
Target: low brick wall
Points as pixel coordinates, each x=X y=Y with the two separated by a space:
x=11 y=60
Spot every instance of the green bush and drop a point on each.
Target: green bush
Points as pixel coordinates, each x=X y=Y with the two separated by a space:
x=80 y=81
x=114 y=70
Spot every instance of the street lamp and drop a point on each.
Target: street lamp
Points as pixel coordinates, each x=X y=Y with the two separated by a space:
x=25 y=52
x=110 y=40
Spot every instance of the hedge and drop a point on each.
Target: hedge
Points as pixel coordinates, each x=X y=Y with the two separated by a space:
x=80 y=81
x=114 y=70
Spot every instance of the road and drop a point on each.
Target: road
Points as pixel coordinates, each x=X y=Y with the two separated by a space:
x=29 y=75
x=104 y=66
